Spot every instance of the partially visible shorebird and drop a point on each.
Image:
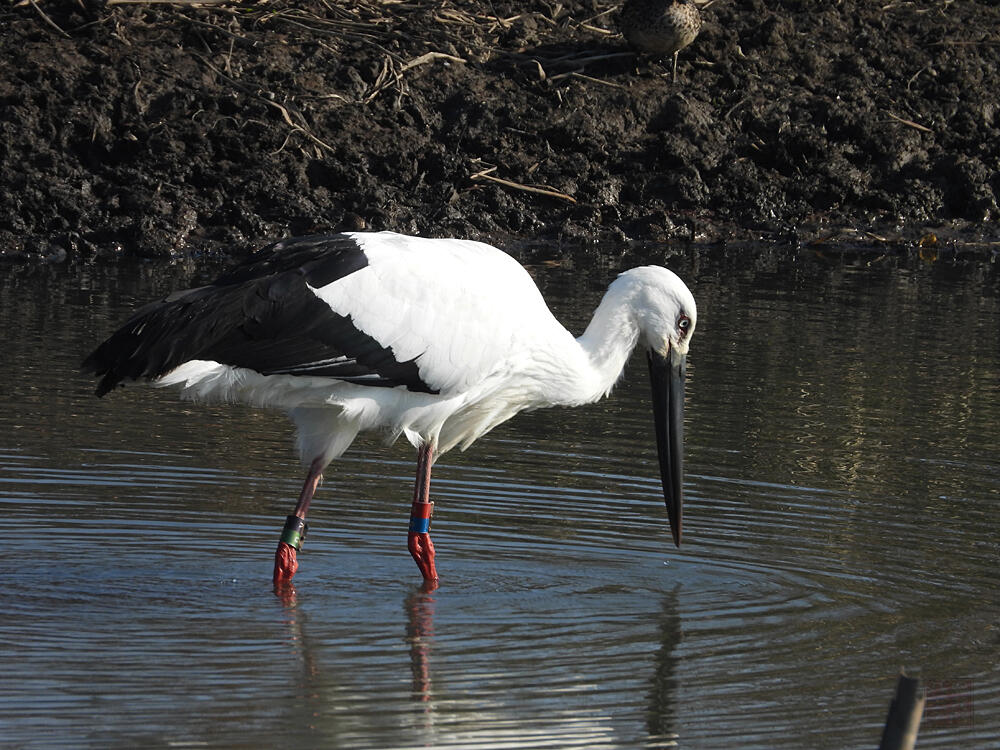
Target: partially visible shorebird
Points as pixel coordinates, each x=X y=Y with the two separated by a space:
x=660 y=27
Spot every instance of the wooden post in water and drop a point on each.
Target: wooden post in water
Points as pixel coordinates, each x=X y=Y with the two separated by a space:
x=905 y=711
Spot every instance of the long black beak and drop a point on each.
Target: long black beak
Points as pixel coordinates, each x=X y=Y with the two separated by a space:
x=666 y=374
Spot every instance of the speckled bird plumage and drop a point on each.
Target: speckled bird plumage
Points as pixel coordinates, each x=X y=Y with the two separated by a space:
x=660 y=27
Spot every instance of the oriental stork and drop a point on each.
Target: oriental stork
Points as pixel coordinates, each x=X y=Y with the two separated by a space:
x=437 y=340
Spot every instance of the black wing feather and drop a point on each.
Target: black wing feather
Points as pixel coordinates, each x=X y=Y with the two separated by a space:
x=262 y=316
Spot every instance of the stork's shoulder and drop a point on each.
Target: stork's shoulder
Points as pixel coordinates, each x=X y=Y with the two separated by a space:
x=443 y=276
x=389 y=253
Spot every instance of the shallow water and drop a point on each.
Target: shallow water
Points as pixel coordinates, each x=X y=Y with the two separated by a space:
x=843 y=486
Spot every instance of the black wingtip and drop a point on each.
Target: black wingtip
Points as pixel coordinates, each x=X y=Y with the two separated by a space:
x=103 y=388
x=92 y=365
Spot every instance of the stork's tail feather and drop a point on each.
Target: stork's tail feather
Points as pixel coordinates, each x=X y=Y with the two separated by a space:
x=108 y=380
x=106 y=365
x=161 y=336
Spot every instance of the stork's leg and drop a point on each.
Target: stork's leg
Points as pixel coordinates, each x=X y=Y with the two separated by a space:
x=421 y=547
x=286 y=558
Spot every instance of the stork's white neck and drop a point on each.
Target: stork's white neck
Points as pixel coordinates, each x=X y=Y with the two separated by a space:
x=604 y=348
x=610 y=339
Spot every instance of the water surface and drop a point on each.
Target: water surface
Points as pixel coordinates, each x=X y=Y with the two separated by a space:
x=842 y=495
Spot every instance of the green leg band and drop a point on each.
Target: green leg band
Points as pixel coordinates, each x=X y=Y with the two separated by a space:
x=294 y=533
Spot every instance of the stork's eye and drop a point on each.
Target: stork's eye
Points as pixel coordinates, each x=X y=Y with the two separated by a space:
x=684 y=324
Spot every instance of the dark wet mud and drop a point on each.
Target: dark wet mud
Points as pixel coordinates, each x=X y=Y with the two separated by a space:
x=160 y=130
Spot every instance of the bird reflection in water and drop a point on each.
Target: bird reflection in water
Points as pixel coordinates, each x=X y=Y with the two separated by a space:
x=662 y=712
x=420 y=635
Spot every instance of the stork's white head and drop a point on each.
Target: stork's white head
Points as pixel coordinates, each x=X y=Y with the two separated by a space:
x=664 y=308
x=665 y=315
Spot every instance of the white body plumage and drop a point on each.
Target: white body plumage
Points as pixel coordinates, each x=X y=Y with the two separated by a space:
x=476 y=326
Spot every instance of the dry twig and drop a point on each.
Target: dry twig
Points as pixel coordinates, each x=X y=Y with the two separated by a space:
x=286 y=115
x=485 y=175
x=47 y=20
x=601 y=81
x=909 y=123
x=383 y=81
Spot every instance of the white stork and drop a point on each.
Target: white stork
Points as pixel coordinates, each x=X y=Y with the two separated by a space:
x=439 y=340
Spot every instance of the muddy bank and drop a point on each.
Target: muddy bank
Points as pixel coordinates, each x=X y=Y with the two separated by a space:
x=161 y=130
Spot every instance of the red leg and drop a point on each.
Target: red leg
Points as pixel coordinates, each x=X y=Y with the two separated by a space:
x=421 y=547
x=286 y=558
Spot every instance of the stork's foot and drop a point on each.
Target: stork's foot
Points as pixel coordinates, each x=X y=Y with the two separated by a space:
x=420 y=544
x=286 y=561
x=285 y=564
x=422 y=550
